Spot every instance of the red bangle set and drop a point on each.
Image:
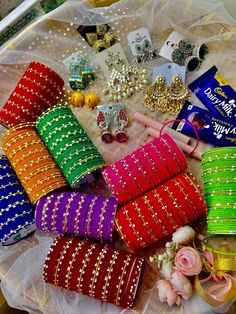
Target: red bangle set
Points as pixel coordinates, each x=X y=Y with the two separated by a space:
x=93 y=269
x=160 y=211
x=145 y=168
x=38 y=89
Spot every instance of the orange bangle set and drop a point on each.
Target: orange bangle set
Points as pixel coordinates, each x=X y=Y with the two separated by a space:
x=31 y=161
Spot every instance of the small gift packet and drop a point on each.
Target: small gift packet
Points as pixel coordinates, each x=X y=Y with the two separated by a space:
x=112 y=58
x=168 y=70
x=141 y=45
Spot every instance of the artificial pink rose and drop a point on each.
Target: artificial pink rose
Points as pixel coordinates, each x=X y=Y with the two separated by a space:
x=167 y=294
x=181 y=284
x=188 y=261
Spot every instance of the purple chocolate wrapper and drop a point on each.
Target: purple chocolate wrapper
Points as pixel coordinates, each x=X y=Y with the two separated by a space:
x=215 y=93
x=212 y=129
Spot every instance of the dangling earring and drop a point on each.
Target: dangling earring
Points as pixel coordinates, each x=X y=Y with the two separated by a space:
x=155 y=97
x=120 y=121
x=104 y=123
x=177 y=94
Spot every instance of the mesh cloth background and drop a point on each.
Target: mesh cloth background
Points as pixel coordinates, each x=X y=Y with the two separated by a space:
x=52 y=38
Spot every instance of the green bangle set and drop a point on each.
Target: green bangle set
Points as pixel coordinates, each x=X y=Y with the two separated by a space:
x=219 y=175
x=69 y=144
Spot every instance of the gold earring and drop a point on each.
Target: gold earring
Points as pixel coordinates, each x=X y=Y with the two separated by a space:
x=101 y=29
x=100 y=45
x=110 y=38
x=155 y=97
x=177 y=94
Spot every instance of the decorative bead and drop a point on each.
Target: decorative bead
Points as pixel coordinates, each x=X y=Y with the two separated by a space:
x=77 y=99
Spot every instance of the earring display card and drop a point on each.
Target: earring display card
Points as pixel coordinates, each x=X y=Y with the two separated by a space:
x=169 y=70
x=140 y=41
x=112 y=58
x=170 y=45
x=92 y=33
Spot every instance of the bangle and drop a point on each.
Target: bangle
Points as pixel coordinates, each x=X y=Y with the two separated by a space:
x=36 y=90
x=148 y=166
x=69 y=144
x=101 y=271
x=159 y=212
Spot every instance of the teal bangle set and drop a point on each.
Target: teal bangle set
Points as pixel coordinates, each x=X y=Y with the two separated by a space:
x=219 y=174
x=69 y=144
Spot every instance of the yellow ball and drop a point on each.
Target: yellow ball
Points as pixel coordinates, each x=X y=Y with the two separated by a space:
x=77 y=99
x=91 y=100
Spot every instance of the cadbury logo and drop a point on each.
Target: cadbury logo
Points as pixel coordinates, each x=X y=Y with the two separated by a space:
x=219 y=91
x=227 y=106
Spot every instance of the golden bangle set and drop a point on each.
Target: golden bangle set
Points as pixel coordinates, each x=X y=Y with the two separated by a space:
x=144 y=222
x=88 y=219
x=78 y=213
x=96 y=270
x=101 y=218
x=44 y=212
x=121 y=282
x=108 y=276
x=154 y=215
x=71 y=263
x=59 y=261
x=65 y=216
x=54 y=213
x=84 y=263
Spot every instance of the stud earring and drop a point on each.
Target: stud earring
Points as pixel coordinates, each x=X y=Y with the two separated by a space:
x=192 y=63
x=90 y=100
x=177 y=94
x=101 y=29
x=82 y=74
x=110 y=39
x=156 y=96
x=100 y=45
x=200 y=51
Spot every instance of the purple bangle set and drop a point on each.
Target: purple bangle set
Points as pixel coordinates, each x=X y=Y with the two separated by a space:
x=84 y=215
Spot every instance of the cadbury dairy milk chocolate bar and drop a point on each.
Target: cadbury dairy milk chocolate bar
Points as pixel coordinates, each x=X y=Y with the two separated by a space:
x=211 y=128
x=215 y=93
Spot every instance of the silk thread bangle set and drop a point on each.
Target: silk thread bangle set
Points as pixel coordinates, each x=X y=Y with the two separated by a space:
x=96 y=270
x=38 y=88
x=219 y=174
x=16 y=210
x=32 y=162
x=84 y=215
x=157 y=196
x=91 y=216
x=74 y=152
x=160 y=212
x=145 y=168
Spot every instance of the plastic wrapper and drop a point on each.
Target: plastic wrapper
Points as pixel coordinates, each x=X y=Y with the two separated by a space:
x=50 y=40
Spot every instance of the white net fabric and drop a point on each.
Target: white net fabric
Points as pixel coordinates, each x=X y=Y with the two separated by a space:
x=51 y=39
